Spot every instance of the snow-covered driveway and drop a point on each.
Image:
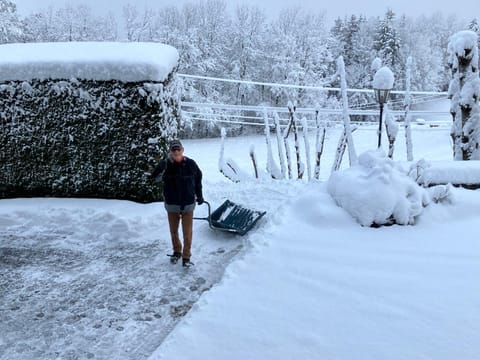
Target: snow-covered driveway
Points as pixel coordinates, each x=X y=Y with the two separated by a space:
x=90 y=278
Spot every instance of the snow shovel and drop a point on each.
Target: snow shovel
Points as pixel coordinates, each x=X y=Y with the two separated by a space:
x=232 y=218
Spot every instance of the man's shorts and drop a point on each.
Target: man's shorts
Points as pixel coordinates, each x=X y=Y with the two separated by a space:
x=179 y=209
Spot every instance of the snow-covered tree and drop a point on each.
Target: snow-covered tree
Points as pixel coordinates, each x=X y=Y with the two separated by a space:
x=475 y=27
x=298 y=53
x=386 y=40
x=70 y=23
x=246 y=42
x=464 y=93
x=353 y=41
x=11 y=29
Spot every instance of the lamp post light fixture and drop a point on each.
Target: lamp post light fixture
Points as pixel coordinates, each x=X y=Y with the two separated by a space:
x=382 y=85
x=382 y=97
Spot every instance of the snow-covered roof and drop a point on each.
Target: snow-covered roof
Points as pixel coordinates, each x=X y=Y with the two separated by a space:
x=102 y=61
x=383 y=79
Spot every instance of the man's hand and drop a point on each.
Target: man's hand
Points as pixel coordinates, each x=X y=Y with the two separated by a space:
x=200 y=201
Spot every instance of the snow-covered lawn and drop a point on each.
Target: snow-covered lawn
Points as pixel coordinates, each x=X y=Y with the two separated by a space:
x=323 y=288
x=89 y=278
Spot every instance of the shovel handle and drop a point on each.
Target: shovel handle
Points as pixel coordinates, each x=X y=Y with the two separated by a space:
x=209 y=218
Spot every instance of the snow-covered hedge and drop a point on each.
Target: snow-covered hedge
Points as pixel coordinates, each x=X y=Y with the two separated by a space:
x=377 y=191
x=84 y=138
x=457 y=173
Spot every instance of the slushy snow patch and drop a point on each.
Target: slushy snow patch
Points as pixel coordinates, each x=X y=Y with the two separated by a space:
x=383 y=78
x=101 y=61
x=377 y=191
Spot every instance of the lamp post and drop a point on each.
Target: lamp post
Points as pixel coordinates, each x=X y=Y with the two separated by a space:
x=382 y=97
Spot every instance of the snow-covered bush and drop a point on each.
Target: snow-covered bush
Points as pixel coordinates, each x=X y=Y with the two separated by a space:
x=377 y=191
x=84 y=137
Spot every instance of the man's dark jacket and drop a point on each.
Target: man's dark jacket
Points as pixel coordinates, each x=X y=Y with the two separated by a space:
x=182 y=181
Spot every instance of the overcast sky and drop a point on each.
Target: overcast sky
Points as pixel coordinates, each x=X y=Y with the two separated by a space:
x=334 y=8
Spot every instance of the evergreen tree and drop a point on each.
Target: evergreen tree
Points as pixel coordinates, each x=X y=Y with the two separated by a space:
x=475 y=27
x=386 y=40
x=246 y=36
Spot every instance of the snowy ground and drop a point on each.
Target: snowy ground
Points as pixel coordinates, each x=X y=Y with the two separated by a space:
x=323 y=288
x=90 y=279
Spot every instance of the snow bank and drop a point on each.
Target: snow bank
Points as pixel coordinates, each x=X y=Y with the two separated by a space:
x=446 y=172
x=383 y=78
x=101 y=61
x=377 y=191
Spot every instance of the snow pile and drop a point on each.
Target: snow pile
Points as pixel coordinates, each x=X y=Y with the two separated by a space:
x=101 y=61
x=377 y=191
x=383 y=78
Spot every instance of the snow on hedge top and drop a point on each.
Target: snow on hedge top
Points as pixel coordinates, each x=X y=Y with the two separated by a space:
x=102 y=61
x=383 y=79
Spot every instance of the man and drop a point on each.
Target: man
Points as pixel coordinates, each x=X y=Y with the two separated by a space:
x=182 y=185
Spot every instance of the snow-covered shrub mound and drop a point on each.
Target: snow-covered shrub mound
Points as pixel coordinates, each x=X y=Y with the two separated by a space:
x=377 y=191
